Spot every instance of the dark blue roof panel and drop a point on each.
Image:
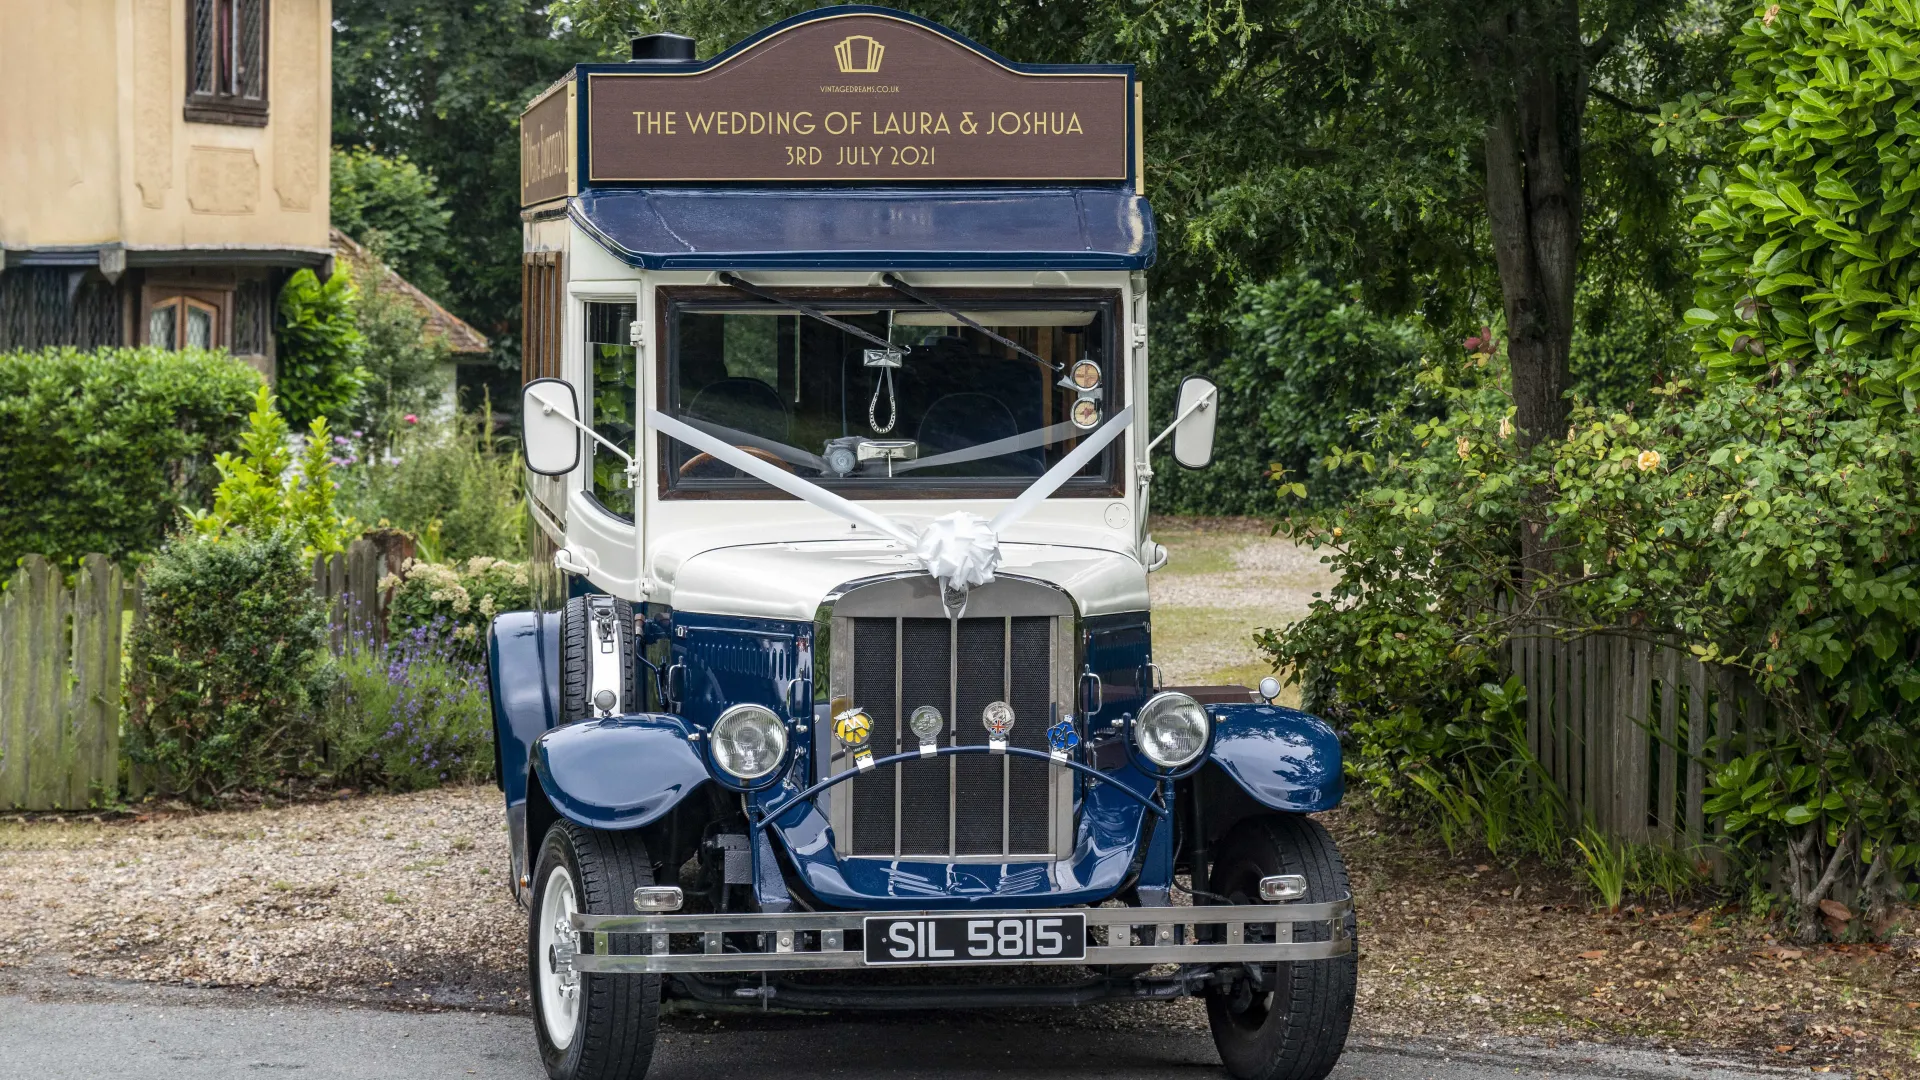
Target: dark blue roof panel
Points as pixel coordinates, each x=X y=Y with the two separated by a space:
x=885 y=229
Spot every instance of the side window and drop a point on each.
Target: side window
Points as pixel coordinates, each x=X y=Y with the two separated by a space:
x=227 y=62
x=183 y=322
x=613 y=378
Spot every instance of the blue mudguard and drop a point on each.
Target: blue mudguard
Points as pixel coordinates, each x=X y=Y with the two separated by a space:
x=523 y=673
x=1284 y=758
x=619 y=773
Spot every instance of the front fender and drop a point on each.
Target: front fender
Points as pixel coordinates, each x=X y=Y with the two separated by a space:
x=1284 y=758
x=618 y=773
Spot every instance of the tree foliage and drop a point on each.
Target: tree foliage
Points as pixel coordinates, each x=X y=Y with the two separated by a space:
x=442 y=83
x=395 y=208
x=1298 y=359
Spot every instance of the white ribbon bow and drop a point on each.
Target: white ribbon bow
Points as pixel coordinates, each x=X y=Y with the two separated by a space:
x=961 y=550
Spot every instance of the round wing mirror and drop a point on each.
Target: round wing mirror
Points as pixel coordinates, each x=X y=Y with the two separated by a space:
x=1198 y=407
x=550 y=427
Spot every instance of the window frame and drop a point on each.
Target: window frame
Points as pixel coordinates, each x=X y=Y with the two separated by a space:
x=670 y=299
x=229 y=104
x=217 y=303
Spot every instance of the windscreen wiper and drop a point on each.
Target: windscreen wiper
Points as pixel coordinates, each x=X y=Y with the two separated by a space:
x=911 y=293
x=813 y=313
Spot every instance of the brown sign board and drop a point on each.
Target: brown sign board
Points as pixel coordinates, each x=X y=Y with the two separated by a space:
x=858 y=97
x=546 y=147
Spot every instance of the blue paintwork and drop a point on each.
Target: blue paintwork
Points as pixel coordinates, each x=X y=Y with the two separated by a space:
x=894 y=228
x=1284 y=758
x=523 y=669
x=1111 y=824
x=583 y=121
x=618 y=773
x=1118 y=648
x=732 y=660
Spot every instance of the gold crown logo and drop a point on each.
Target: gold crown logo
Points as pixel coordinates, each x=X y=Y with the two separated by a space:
x=859 y=55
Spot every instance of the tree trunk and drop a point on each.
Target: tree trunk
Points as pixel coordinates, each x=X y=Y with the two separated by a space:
x=1535 y=75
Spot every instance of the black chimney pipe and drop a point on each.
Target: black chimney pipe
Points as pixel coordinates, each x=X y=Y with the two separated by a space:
x=672 y=48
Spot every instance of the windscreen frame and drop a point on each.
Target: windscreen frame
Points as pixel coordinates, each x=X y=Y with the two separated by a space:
x=671 y=300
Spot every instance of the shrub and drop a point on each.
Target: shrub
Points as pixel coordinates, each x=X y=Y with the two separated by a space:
x=261 y=492
x=228 y=663
x=1297 y=358
x=1806 y=243
x=412 y=715
x=448 y=483
x=101 y=451
x=319 y=347
x=457 y=601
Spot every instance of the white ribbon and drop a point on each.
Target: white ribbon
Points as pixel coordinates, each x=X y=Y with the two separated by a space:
x=961 y=550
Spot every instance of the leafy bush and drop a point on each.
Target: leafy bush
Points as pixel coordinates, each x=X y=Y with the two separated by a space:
x=261 y=492
x=228 y=664
x=457 y=601
x=319 y=347
x=412 y=715
x=1297 y=358
x=1806 y=244
x=448 y=483
x=101 y=451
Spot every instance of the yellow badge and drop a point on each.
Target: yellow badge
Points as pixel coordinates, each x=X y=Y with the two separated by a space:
x=853 y=728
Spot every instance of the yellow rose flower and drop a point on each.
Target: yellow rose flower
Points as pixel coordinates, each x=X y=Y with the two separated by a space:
x=1649 y=460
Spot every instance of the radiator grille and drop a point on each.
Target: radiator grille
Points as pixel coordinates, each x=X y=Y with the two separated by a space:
x=968 y=805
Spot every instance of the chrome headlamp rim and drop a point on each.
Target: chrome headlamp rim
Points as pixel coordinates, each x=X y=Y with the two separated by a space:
x=1156 y=768
x=766 y=778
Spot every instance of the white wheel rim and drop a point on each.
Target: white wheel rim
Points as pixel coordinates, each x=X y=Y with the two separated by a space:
x=559 y=983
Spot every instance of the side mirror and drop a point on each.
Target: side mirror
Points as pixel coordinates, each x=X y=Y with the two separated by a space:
x=549 y=427
x=1199 y=406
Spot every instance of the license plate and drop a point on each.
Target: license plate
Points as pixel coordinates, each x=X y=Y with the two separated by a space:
x=975 y=939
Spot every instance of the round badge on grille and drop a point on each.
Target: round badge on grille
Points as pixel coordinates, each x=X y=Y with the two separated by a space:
x=927 y=724
x=998 y=720
x=854 y=728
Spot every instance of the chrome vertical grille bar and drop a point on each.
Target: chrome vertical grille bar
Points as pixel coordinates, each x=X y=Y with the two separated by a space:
x=899 y=721
x=1006 y=763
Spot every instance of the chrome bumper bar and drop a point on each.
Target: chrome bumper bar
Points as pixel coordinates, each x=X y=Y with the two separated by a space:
x=817 y=941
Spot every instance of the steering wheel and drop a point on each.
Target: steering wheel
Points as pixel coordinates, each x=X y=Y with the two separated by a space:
x=703 y=459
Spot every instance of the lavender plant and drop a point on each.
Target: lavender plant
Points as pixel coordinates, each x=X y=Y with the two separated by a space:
x=412 y=714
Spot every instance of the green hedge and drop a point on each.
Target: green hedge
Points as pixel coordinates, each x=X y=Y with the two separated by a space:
x=100 y=451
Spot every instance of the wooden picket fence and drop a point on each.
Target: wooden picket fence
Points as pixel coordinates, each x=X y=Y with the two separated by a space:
x=63 y=663
x=1627 y=730
x=60 y=684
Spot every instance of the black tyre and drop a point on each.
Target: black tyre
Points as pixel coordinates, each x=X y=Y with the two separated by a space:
x=1295 y=1025
x=581 y=639
x=600 y=1027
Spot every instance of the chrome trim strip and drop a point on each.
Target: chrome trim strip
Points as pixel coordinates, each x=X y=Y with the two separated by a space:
x=831 y=951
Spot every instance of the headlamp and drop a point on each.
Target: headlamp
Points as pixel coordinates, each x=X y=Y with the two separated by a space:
x=1171 y=731
x=748 y=742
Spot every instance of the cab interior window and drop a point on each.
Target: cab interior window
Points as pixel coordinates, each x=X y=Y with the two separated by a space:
x=612 y=372
x=952 y=408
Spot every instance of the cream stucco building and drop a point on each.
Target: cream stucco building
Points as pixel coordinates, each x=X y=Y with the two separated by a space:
x=163 y=168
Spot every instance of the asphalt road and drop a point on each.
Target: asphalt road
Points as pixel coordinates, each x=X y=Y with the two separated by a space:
x=147 y=1034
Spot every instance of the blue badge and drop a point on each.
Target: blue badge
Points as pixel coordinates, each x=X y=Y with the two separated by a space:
x=1062 y=737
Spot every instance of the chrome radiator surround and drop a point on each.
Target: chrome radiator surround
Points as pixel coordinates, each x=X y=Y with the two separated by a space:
x=901 y=622
x=816 y=941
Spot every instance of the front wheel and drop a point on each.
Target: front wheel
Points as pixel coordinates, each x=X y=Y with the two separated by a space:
x=590 y=1027
x=1285 y=1021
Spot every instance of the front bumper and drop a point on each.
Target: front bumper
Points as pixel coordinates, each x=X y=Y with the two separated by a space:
x=819 y=941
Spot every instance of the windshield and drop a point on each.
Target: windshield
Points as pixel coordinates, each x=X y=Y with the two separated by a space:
x=890 y=395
